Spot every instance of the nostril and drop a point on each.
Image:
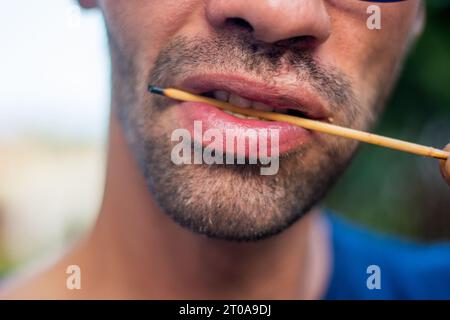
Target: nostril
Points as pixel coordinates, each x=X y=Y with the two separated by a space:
x=240 y=23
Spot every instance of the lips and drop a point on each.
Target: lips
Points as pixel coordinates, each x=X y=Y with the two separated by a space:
x=297 y=100
x=246 y=93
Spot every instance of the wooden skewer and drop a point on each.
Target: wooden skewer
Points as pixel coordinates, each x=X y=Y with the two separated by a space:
x=308 y=124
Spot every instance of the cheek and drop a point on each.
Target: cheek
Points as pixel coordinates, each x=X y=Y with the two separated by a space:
x=369 y=57
x=142 y=28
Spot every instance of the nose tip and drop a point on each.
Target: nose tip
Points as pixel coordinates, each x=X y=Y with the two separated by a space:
x=273 y=21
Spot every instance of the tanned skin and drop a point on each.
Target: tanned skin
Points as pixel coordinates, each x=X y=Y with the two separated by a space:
x=152 y=238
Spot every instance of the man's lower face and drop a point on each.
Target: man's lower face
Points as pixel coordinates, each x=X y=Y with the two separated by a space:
x=236 y=202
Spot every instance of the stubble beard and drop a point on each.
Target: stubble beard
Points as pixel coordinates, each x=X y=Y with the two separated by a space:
x=232 y=202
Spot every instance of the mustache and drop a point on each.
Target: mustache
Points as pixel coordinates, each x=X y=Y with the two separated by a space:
x=241 y=53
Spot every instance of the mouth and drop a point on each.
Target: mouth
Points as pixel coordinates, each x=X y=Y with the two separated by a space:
x=244 y=93
x=245 y=103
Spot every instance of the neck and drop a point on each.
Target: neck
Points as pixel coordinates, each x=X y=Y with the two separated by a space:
x=149 y=256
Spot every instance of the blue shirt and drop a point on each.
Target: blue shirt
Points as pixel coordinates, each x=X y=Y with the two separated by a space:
x=407 y=270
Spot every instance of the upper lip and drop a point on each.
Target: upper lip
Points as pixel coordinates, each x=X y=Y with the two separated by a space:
x=299 y=98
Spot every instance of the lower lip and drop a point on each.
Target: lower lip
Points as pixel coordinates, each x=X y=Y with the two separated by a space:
x=290 y=137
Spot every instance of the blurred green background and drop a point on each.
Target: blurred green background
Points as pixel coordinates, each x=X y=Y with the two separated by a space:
x=395 y=192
